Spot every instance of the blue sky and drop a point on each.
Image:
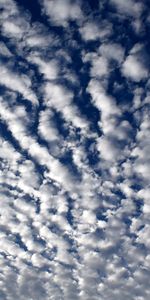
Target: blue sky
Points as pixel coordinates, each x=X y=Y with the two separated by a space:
x=74 y=150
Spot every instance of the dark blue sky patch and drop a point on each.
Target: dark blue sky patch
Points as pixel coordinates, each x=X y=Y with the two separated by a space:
x=31 y=7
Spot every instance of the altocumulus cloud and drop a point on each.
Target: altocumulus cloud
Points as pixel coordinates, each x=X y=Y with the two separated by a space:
x=74 y=150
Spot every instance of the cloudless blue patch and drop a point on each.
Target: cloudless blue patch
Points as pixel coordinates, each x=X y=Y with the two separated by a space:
x=33 y=7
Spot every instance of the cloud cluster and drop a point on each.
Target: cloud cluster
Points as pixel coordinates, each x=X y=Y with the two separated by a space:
x=74 y=152
x=62 y=12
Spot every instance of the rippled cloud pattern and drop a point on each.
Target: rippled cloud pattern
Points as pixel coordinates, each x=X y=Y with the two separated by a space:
x=74 y=150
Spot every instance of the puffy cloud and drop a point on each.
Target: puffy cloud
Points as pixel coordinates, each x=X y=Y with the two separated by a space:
x=105 y=103
x=141 y=150
x=108 y=150
x=112 y=51
x=48 y=69
x=61 y=12
x=99 y=67
x=20 y=83
x=58 y=97
x=47 y=128
x=134 y=69
x=91 y=31
x=129 y=7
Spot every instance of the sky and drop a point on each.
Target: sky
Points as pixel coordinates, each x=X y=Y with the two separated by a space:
x=74 y=150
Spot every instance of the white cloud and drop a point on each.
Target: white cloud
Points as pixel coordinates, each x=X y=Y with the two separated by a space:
x=9 y=8
x=102 y=101
x=142 y=149
x=134 y=69
x=61 y=12
x=7 y=152
x=12 y=29
x=99 y=67
x=91 y=31
x=47 y=128
x=20 y=83
x=48 y=68
x=107 y=149
x=112 y=51
x=128 y=7
x=58 y=97
x=4 y=50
